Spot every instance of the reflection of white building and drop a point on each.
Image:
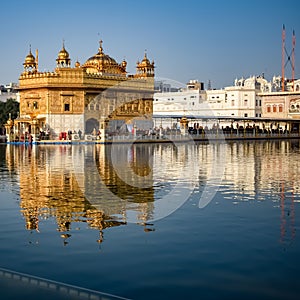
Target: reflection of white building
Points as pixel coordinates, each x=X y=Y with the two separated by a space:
x=240 y=169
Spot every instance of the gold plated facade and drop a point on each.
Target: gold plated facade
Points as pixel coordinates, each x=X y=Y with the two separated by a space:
x=84 y=96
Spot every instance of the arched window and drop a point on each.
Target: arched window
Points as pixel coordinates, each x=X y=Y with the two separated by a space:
x=67 y=107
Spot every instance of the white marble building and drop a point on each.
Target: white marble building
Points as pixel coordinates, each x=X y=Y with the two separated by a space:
x=182 y=102
x=239 y=100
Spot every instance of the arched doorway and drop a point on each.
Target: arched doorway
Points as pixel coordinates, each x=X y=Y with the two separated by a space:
x=91 y=124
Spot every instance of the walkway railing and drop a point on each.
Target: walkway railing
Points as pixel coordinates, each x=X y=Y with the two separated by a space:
x=172 y=137
x=201 y=137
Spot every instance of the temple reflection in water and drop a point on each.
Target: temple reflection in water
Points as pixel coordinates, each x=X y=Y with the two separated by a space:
x=102 y=184
x=50 y=187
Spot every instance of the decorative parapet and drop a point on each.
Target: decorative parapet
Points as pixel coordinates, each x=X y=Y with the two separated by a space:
x=76 y=77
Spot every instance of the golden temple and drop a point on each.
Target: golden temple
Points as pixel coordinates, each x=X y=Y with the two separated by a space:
x=83 y=98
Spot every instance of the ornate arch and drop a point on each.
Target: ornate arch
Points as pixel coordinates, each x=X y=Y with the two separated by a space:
x=294 y=105
x=91 y=125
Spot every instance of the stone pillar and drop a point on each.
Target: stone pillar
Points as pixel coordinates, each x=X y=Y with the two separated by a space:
x=134 y=131
x=102 y=129
x=34 y=131
x=9 y=130
x=160 y=131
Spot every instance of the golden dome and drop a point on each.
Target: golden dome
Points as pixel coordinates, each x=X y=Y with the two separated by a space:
x=124 y=63
x=145 y=62
x=145 y=68
x=30 y=59
x=63 y=54
x=77 y=64
x=102 y=62
x=101 y=58
x=63 y=60
x=9 y=122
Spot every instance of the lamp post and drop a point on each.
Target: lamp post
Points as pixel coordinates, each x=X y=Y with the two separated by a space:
x=9 y=129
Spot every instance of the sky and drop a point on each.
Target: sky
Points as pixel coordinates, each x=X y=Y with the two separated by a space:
x=216 y=41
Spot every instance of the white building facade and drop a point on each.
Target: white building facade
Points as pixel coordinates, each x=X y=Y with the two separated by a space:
x=182 y=102
x=240 y=100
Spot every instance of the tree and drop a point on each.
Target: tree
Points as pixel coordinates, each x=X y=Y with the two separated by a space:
x=11 y=106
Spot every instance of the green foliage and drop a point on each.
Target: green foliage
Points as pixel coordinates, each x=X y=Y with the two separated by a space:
x=10 y=106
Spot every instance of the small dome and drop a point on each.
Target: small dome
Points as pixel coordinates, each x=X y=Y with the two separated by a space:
x=30 y=63
x=77 y=64
x=145 y=68
x=63 y=54
x=9 y=122
x=124 y=63
x=145 y=62
x=30 y=59
x=63 y=60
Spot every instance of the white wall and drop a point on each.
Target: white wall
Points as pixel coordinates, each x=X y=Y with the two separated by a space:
x=62 y=123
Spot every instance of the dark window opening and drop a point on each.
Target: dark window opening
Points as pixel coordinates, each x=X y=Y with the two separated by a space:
x=67 y=107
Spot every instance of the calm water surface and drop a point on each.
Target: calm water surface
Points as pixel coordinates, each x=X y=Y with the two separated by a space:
x=79 y=219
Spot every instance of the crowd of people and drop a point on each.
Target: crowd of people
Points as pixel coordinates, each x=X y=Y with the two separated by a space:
x=160 y=131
